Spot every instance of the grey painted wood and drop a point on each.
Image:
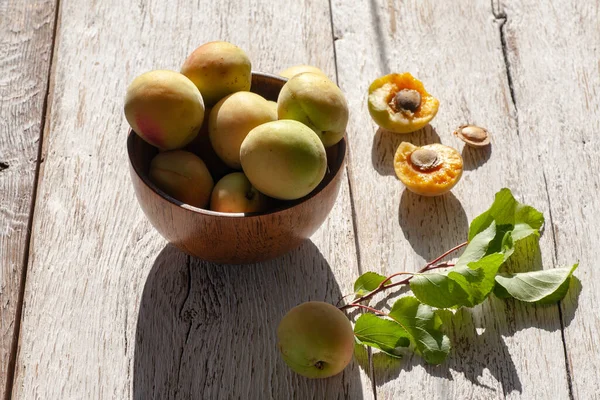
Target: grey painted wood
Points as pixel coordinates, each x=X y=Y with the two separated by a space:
x=553 y=54
x=501 y=349
x=110 y=311
x=26 y=33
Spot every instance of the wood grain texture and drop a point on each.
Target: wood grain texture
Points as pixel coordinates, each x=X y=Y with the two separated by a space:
x=110 y=310
x=502 y=349
x=26 y=32
x=553 y=53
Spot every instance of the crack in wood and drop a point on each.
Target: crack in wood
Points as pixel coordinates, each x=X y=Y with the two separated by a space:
x=560 y=313
x=502 y=18
x=3 y=166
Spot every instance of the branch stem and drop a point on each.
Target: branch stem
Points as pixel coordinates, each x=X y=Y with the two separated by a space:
x=382 y=286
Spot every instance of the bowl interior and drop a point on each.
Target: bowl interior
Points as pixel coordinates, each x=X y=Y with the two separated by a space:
x=267 y=85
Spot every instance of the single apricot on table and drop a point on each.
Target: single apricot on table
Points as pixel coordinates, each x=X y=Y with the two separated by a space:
x=316 y=339
x=430 y=170
x=183 y=176
x=399 y=103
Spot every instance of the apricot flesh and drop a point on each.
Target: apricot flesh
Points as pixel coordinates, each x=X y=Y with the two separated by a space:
x=430 y=170
x=399 y=103
x=164 y=108
x=316 y=339
x=218 y=69
x=183 y=176
x=283 y=159
x=235 y=194
x=298 y=69
x=230 y=121
x=318 y=103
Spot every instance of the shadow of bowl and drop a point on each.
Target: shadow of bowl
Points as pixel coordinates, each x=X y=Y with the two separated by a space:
x=208 y=331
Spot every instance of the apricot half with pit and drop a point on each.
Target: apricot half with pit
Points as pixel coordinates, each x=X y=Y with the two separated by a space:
x=430 y=170
x=399 y=103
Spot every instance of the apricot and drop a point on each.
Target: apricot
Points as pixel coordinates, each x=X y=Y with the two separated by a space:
x=230 y=121
x=183 y=176
x=164 y=108
x=218 y=69
x=316 y=339
x=399 y=103
x=318 y=103
x=298 y=69
x=283 y=159
x=430 y=170
x=235 y=194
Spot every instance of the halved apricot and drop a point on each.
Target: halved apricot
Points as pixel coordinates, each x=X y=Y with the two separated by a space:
x=430 y=170
x=400 y=103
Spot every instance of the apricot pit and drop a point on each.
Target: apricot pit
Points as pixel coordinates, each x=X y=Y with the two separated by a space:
x=473 y=135
x=430 y=170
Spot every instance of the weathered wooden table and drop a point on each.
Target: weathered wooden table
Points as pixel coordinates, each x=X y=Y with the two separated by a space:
x=95 y=304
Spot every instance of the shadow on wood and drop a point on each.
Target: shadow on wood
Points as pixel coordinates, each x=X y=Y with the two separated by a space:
x=385 y=144
x=481 y=336
x=475 y=158
x=432 y=225
x=209 y=331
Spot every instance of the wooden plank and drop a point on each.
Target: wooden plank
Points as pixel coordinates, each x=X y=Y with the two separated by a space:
x=110 y=311
x=553 y=53
x=455 y=48
x=26 y=33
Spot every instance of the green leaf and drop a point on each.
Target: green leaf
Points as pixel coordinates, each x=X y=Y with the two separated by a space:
x=466 y=285
x=477 y=279
x=367 y=282
x=423 y=327
x=382 y=334
x=540 y=287
x=478 y=246
x=438 y=290
x=522 y=220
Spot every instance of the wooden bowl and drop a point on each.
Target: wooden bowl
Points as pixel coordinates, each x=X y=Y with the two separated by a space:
x=235 y=238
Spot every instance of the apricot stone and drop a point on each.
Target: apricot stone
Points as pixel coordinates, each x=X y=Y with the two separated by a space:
x=183 y=176
x=298 y=69
x=235 y=194
x=283 y=159
x=318 y=103
x=218 y=69
x=230 y=121
x=316 y=339
x=164 y=108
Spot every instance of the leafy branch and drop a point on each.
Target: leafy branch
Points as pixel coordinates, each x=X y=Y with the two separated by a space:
x=413 y=321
